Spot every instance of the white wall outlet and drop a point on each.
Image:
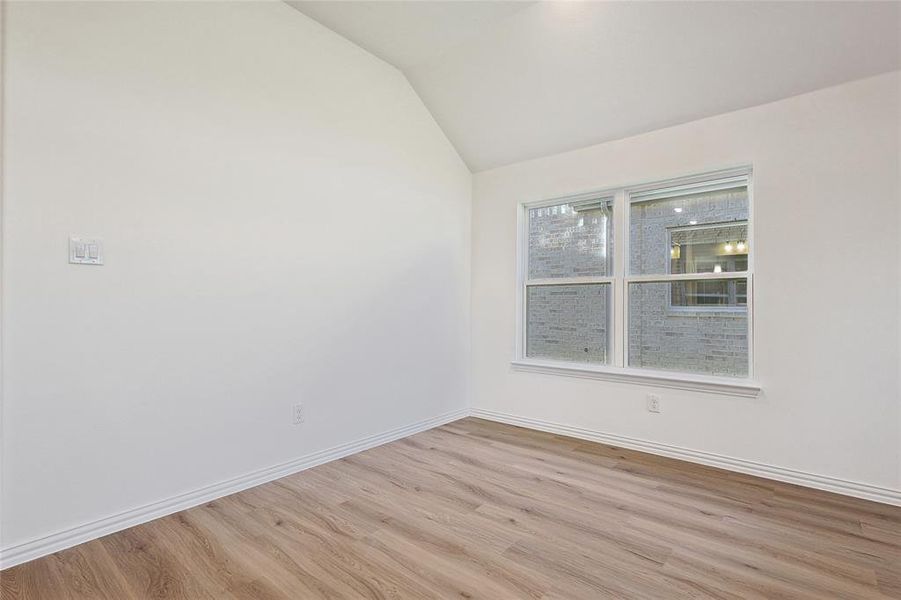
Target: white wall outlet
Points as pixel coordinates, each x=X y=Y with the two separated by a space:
x=653 y=401
x=83 y=251
x=298 y=414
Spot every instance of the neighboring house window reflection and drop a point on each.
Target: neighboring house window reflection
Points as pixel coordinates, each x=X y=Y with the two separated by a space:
x=709 y=248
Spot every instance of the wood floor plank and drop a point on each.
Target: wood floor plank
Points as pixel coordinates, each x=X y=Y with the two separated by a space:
x=476 y=509
x=36 y=579
x=150 y=566
x=90 y=572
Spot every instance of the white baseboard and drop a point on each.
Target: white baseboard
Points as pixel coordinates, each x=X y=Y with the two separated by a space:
x=35 y=548
x=811 y=480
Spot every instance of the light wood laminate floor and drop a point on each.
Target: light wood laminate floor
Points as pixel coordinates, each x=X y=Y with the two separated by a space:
x=481 y=510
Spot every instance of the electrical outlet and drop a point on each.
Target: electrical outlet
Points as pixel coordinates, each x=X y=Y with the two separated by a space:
x=298 y=416
x=653 y=401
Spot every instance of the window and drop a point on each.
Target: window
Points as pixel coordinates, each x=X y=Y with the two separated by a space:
x=673 y=297
x=569 y=278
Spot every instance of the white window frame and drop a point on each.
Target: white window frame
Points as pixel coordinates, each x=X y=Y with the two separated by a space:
x=523 y=268
x=618 y=359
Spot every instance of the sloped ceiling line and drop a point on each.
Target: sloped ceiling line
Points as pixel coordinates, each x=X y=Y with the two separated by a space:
x=510 y=81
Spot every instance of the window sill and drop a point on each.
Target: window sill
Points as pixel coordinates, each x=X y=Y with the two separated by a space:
x=724 y=386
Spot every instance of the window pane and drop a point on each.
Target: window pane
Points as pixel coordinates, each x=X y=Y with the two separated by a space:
x=699 y=233
x=571 y=240
x=567 y=322
x=710 y=337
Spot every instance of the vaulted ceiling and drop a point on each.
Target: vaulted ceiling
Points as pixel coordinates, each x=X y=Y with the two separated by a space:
x=509 y=81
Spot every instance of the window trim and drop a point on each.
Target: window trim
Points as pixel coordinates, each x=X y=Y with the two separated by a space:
x=524 y=282
x=617 y=369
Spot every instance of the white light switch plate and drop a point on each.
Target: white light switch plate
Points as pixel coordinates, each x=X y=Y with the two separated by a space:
x=84 y=251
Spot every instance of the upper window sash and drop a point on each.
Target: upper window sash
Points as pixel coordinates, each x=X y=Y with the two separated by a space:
x=570 y=205
x=697 y=185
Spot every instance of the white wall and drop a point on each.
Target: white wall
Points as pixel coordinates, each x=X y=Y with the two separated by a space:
x=283 y=221
x=826 y=196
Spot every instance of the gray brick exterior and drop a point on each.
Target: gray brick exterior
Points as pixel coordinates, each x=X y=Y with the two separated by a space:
x=571 y=322
x=568 y=322
x=696 y=340
x=649 y=223
x=566 y=243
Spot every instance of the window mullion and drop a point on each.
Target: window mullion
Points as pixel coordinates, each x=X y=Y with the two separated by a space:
x=620 y=262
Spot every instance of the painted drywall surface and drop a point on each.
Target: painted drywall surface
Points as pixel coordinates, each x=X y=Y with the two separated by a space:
x=556 y=76
x=283 y=221
x=826 y=229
